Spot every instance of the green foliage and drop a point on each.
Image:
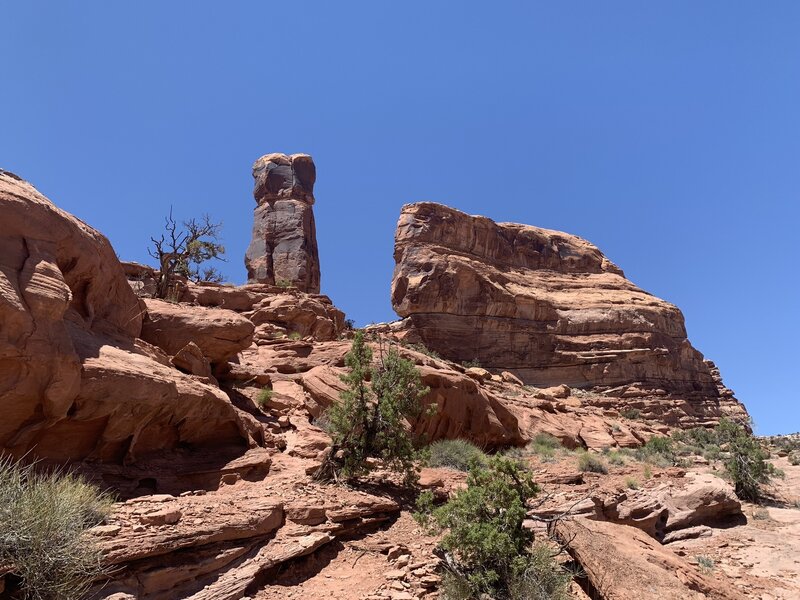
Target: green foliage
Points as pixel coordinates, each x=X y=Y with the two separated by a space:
x=616 y=458
x=295 y=335
x=705 y=563
x=43 y=518
x=264 y=397
x=370 y=419
x=542 y=445
x=471 y=363
x=349 y=324
x=284 y=283
x=631 y=413
x=631 y=483
x=658 y=451
x=591 y=463
x=746 y=461
x=454 y=454
x=491 y=552
x=794 y=459
x=184 y=250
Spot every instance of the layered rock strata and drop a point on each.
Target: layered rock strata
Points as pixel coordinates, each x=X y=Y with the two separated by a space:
x=545 y=305
x=283 y=249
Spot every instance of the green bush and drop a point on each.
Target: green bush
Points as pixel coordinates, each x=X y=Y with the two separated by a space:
x=454 y=454
x=631 y=413
x=658 y=451
x=295 y=335
x=615 y=457
x=794 y=459
x=631 y=483
x=489 y=551
x=284 y=283
x=369 y=421
x=590 y=463
x=264 y=398
x=746 y=460
x=43 y=519
x=542 y=445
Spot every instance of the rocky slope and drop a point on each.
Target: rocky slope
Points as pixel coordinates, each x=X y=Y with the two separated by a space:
x=548 y=307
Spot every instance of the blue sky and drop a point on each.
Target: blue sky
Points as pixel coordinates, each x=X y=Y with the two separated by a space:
x=666 y=133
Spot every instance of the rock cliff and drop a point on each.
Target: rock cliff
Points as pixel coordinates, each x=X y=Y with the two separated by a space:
x=545 y=305
x=283 y=249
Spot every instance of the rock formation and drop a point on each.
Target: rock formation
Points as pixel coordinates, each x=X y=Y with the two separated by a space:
x=283 y=249
x=547 y=306
x=75 y=382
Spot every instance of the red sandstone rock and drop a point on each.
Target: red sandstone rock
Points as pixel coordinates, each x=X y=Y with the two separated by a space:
x=544 y=305
x=284 y=243
x=74 y=382
x=623 y=563
x=219 y=333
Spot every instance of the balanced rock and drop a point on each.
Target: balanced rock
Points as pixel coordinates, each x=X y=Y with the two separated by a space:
x=283 y=249
x=546 y=306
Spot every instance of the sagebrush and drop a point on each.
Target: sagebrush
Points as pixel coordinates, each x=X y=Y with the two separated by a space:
x=43 y=520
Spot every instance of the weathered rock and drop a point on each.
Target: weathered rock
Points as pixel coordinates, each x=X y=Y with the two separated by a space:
x=702 y=499
x=190 y=359
x=623 y=563
x=74 y=382
x=219 y=333
x=283 y=249
x=547 y=306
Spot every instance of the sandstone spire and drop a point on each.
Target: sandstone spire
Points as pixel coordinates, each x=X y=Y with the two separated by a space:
x=284 y=243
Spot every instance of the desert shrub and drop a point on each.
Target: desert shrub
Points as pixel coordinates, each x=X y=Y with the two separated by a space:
x=615 y=457
x=746 y=461
x=591 y=463
x=631 y=483
x=454 y=454
x=284 y=283
x=423 y=349
x=705 y=563
x=488 y=551
x=295 y=335
x=794 y=459
x=43 y=519
x=471 y=363
x=647 y=473
x=369 y=421
x=658 y=451
x=264 y=397
x=631 y=413
x=542 y=445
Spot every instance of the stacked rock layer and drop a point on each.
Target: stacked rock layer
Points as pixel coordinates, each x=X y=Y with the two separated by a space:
x=545 y=305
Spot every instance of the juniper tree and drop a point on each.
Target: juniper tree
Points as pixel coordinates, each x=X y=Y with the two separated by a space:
x=371 y=418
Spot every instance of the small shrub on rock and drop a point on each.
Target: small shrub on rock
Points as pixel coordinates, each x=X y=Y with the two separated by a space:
x=264 y=398
x=631 y=413
x=591 y=463
x=487 y=551
x=746 y=461
x=454 y=454
x=43 y=519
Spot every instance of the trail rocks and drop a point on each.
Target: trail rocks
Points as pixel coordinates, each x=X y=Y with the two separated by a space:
x=283 y=249
x=547 y=306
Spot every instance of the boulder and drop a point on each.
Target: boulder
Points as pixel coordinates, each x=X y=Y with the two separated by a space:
x=623 y=563
x=283 y=249
x=547 y=306
x=219 y=333
x=700 y=499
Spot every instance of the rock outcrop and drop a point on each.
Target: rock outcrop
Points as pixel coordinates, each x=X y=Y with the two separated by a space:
x=283 y=249
x=547 y=306
x=75 y=382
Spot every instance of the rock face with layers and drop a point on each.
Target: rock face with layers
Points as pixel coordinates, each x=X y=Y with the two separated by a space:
x=75 y=382
x=547 y=306
x=283 y=249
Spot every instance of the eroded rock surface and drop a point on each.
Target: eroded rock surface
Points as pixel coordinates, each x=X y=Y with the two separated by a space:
x=75 y=383
x=546 y=306
x=283 y=248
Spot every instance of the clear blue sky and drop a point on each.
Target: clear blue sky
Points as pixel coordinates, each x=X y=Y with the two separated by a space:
x=668 y=133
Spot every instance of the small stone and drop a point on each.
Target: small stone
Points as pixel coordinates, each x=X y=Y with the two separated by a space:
x=105 y=530
x=395 y=574
x=162 y=517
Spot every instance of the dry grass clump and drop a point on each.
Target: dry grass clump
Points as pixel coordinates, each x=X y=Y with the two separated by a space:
x=454 y=454
x=591 y=463
x=43 y=518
